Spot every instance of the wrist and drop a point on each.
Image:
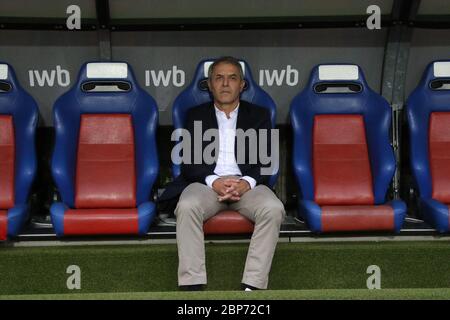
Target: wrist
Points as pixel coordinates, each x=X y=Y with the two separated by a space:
x=247 y=185
x=215 y=183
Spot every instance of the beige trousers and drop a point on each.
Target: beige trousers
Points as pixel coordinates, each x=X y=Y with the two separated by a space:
x=198 y=203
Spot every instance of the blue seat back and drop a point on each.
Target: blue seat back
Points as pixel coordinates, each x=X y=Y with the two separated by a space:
x=425 y=99
x=84 y=98
x=324 y=95
x=16 y=102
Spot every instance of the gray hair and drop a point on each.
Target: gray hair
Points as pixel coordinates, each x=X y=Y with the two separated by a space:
x=230 y=60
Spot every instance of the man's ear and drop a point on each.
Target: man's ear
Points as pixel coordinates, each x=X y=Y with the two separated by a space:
x=208 y=81
x=243 y=84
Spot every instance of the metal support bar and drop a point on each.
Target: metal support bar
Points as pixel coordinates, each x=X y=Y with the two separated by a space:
x=103 y=16
x=104 y=45
x=104 y=33
x=389 y=86
x=394 y=75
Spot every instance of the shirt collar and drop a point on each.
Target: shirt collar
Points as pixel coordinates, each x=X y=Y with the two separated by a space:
x=232 y=113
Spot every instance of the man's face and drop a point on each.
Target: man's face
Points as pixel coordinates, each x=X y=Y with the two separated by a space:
x=225 y=84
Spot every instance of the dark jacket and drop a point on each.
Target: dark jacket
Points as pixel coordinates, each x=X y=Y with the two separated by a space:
x=249 y=116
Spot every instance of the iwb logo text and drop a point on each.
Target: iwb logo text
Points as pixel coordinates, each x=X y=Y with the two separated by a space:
x=164 y=78
x=47 y=78
x=157 y=78
x=278 y=78
x=177 y=77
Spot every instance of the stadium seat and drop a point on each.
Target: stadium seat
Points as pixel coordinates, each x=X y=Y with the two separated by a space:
x=226 y=222
x=18 y=164
x=428 y=112
x=105 y=158
x=343 y=160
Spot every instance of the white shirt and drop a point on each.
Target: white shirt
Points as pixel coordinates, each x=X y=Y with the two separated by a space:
x=226 y=162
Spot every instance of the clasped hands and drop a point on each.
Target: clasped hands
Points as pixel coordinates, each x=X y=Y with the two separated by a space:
x=230 y=189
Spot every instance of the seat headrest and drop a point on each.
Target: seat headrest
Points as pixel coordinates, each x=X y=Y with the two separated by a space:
x=104 y=87
x=337 y=78
x=8 y=80
x=338 y=88
x=102 y=72
x=106 y=70
x=338 y=72
x=3 y=71
x=441 y=69
x=436 y=76
x=13 y=98
x=433 y=91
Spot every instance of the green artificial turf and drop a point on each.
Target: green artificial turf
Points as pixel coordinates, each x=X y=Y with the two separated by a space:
x=335 y=294
x=296 y=266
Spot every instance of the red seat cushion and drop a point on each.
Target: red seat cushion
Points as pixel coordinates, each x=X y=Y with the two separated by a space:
x=101 y=221
x=342 y=174
x=106 y=175
x=439 y=145
x=7 y=155
x=3 y=224
x=357 y=218
x=228 y=222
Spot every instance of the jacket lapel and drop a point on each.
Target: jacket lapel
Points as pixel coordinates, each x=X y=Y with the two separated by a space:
x=242 y=117
x=242 y=122
x=212 y=119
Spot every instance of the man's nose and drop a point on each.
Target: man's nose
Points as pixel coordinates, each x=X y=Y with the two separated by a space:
x=225 y=82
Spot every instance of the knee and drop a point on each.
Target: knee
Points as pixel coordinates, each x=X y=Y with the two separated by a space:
x=188 y=207
x=273 y=212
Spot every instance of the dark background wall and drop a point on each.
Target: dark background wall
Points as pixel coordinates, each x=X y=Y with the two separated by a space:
x=164 y=40
x=280 y=59
x=426 y=45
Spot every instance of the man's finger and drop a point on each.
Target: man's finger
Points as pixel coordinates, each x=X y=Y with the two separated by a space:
x=230 y=190
x=229 y=196
x=232 y=199
x=224 y=197
x=231 y=181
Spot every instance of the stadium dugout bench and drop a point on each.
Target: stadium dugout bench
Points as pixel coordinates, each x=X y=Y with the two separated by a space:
x=343 y=160
x=105 y=160
x=428 y=112
x=18 y=164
